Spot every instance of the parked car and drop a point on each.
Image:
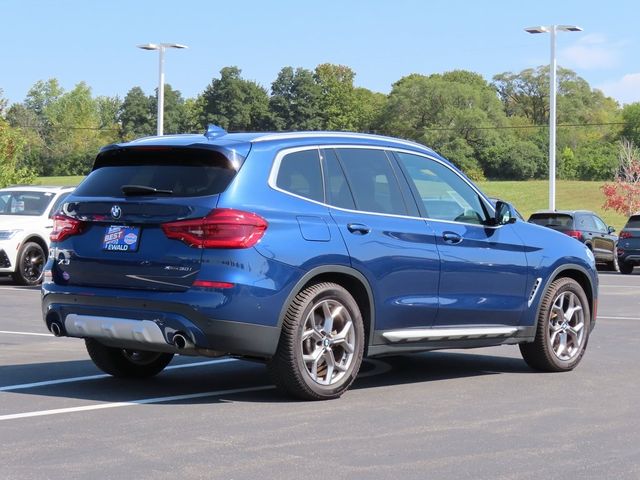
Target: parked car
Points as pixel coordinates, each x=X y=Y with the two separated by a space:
x=25 y=223
x=586 y=227
x=308 y=251
x=629 y=245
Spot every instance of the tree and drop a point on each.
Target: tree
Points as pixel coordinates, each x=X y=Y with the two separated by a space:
x=295 y=100
x=368 y=108
x=136 y=115
x=11 y=145
x=75 y=135
x=456 y=113
x=623 y=195
x=174 y=113
x=234 y=103
x=631 y=119
x=337 y=100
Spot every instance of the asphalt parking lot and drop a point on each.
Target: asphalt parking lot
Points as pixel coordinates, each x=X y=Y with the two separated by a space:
x=471 y=414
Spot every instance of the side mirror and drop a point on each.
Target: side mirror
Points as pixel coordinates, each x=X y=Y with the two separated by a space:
x=505 y=213
x=611 y=229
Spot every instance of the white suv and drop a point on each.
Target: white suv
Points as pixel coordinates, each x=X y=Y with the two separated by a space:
x=25 y=223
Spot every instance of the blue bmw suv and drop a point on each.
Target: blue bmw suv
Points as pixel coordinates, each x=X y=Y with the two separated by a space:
x=308 y=251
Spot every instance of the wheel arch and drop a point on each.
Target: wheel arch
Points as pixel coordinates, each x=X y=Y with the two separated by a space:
x=580 y=275
x=352 y=280
x=34 y=238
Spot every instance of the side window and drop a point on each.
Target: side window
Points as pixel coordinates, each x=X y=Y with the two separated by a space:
x=336 y=186
x=445 y=195
x=300 y=173
x=600 y=225
x=586 y=223
x=373 y=183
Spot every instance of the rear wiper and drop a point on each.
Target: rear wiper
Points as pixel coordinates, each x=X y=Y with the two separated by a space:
x=143 y=190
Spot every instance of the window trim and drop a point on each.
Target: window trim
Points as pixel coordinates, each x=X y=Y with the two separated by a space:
x=275 y=166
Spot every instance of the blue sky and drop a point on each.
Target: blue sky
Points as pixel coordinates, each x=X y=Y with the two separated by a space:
x=382 y=41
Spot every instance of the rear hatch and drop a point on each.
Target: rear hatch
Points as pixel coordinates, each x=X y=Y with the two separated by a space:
x=110 y=232
x=630 y=235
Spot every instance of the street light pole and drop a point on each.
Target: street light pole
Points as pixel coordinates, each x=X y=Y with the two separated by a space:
x=552 y=29
x=161 y=47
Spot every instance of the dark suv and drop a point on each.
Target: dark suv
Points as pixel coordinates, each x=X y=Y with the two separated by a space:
x=586 y=227
x=308 y=251
x=629 y=245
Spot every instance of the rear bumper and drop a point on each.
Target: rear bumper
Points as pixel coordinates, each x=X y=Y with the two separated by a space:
x=152 y=325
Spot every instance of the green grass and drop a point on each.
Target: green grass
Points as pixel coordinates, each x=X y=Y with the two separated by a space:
x=58 y=181
x=533 y=195
x=527 y=196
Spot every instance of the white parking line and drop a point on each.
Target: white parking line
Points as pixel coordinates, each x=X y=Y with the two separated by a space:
x=21 y=289
x=621 y=286
x=25 y=386
x=132 y=403
x=27 y=333
x=617 y=318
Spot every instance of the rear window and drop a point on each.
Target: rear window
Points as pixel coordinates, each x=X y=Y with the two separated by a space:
x=634 y=222
x=552 y=219
x=174 y=172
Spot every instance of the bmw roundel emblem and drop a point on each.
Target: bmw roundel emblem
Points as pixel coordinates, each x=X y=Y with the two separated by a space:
x=116 y=211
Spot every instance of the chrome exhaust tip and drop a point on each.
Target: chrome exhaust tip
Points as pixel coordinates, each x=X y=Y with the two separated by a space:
x=56 y=329
x=181 y=342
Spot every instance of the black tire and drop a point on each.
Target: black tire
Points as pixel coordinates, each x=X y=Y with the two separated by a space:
x=343 y=345
x=30 y=264
x=613 y=265
x=542 y=353
x=626 y=267
x=124 y=363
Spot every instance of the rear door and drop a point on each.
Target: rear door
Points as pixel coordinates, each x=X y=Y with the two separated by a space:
x=604 y=241
x=387 y=241
x=121 y=207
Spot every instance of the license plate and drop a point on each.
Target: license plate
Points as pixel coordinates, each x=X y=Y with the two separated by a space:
x=121 y=238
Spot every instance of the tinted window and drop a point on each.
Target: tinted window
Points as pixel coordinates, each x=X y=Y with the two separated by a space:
x=634 y=222
x=336 y=186
x=552 y=219
x=180 y=172
x=300 y=173
x=373 y=183
x=585 y=222
x=444 y=194
x=600 y=225
x=25 y=203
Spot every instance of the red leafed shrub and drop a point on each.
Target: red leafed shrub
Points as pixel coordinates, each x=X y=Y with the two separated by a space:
x=623 y=195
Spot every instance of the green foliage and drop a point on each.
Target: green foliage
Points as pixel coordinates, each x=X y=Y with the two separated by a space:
x=136 y=115
x=337 y=100
x=234 y=103
x=631 y=119
x=295 y=100
x=11 y=145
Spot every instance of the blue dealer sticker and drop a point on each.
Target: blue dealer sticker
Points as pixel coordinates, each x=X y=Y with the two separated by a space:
x=121 y=238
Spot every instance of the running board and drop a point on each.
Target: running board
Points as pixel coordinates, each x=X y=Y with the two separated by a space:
x=428 y=334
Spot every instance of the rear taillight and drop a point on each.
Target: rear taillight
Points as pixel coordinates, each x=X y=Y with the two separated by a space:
x=222 y=228
x=624 y=234
x=574 y=234
x=64 y=227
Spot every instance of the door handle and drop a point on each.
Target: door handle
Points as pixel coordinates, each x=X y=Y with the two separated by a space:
x=451 y=237
x=358 y=228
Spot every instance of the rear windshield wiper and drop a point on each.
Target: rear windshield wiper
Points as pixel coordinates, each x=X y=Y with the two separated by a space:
x=144 y=190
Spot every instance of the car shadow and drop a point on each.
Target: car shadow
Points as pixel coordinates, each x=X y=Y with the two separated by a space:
x=251 y=378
